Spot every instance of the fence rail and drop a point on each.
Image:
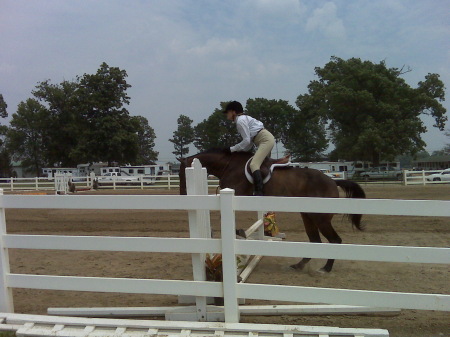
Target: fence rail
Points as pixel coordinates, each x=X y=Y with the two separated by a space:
x=227 y=203
x=144 y=182
x=420 y=178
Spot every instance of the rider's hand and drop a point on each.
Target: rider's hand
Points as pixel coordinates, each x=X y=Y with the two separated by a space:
x=227 y=150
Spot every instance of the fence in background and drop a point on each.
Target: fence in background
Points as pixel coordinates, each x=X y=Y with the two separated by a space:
x=420 y=178
x=47 y=184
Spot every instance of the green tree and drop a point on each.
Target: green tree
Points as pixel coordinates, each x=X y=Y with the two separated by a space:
x=273 y=113
x=5 y=158
x=64 y=128
x=3 y=128
x=3 y=106
x=215 y=131
x=108 y=132
x=146 y=142
x=305 y=134
x=373 y=113
x=26 y=135
x=446 y=148
x=183 y=136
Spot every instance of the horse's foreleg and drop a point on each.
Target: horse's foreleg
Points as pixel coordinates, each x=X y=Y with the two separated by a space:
x=313 y=234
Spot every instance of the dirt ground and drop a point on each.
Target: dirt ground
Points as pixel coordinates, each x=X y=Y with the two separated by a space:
x=383 y=230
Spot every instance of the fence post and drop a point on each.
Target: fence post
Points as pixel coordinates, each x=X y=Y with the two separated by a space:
x=199 y=227
x=168 y=181
x=228 y=229
x=423 y=178
x=12 y=183
x=6 y=299
x=260 y=231
x=91 y=179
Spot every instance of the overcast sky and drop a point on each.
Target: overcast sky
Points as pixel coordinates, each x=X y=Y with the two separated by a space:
x=186 y=56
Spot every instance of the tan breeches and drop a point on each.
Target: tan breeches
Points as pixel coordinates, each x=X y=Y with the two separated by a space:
x=265 y=141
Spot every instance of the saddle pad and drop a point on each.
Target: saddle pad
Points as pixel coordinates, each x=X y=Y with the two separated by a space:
x=269 y=174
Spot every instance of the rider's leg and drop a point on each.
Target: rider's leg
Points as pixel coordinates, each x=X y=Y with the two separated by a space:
x=258 y=183
x=265 y=141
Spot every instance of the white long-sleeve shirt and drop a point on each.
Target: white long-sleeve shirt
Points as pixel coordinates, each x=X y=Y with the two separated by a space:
x=248 y=127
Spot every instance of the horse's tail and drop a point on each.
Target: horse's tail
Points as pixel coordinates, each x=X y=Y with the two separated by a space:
x=353 y=190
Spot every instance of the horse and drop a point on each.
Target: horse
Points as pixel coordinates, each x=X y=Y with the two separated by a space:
x=286 y=182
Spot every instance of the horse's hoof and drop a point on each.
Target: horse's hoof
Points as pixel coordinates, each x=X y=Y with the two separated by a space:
x=241 y=233
x=323 y=271
x=296 y=267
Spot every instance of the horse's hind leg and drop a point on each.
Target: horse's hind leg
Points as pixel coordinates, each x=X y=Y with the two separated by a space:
x=313 y=234
x=327 y=230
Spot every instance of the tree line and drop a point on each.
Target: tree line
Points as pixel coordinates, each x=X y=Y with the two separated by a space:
x=365 y=110
x=79 y=121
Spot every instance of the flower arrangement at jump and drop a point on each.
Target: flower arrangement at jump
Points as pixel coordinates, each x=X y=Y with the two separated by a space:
x=270 y=225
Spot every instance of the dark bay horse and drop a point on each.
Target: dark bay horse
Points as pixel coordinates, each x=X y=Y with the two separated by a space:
x=287 y=182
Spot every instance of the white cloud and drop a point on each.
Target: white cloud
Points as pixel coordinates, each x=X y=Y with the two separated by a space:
x=219 y=46
x=277 y=7
x=325 y=20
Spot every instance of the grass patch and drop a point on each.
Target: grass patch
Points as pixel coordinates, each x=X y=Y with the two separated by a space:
x=7 y=334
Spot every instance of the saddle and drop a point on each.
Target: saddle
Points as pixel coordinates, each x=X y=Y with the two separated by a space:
x=267 y=167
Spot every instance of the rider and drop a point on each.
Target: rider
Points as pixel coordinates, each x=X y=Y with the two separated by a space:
x=253 y=133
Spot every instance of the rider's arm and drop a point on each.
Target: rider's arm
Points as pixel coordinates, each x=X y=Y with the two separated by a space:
x=243 y=128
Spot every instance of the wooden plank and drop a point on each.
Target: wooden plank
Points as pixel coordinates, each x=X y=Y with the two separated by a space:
x=199 y=227
x=344 y=296
x=249 y=268
x=120 y=285
x=253 y=228
x=345 y=206
x=245 y=310
x=211 y=202
x=344 y=251
x=6 y=296
x=125 y=244
x=228 y=230
x=180 y=202
x=316 y=309
x=239 y=328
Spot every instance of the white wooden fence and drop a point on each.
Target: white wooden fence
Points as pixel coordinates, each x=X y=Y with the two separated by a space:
x=227 y=203
x=29 y=184
x=420 y=177
x=42 y=184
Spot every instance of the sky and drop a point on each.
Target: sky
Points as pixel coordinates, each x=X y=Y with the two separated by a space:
x=187 y=56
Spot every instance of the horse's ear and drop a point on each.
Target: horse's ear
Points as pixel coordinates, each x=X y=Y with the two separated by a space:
x=182 y=161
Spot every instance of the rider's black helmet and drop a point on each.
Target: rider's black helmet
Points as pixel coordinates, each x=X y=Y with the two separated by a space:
x=234 y=106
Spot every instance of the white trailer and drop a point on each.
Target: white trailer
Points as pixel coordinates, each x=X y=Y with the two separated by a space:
x=138 y=170
x=332 y=167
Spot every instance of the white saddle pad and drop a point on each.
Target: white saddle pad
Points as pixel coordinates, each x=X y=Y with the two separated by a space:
x=267 y=178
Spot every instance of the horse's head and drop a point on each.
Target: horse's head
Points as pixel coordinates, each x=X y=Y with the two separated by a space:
x=182 y=174
x=215 y=160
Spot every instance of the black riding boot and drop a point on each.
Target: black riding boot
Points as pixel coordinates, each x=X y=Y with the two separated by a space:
x=258 y=183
